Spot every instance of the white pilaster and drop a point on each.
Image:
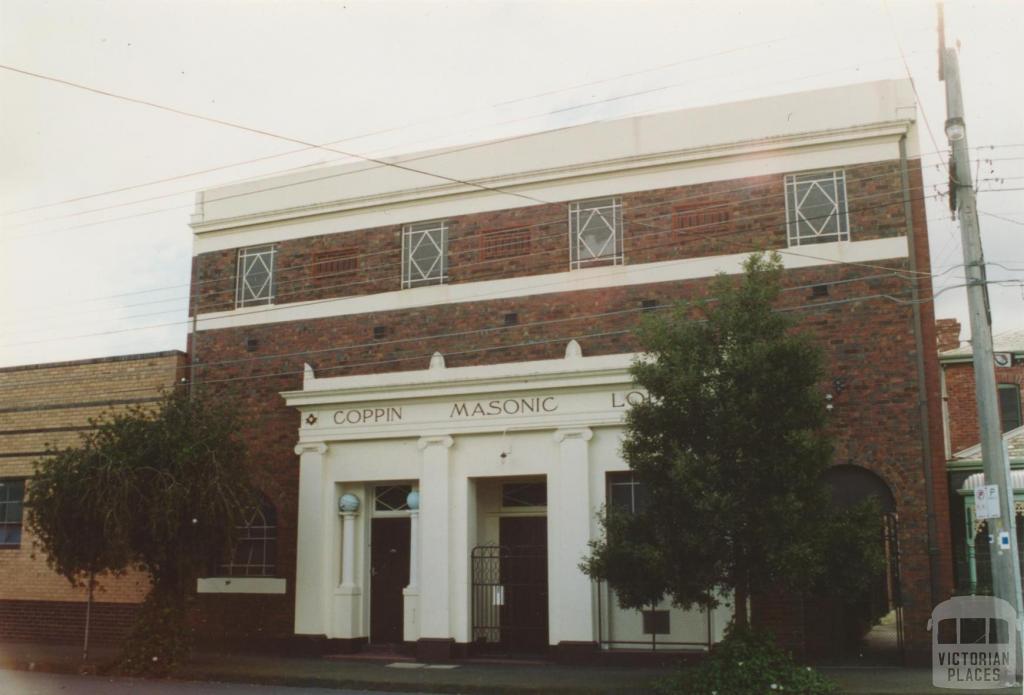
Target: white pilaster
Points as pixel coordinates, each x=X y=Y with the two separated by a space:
x=414 y=549
x=311 y=571
x=570 y=592
x=411 y=593
x=458 y=562
x=348 y=604
x=435 y=577
x=348 y=550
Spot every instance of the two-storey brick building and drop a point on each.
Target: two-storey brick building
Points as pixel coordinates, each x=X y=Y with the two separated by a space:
x=431 y=358
x=51 y=405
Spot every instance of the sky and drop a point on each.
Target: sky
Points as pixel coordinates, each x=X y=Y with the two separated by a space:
x=96 y=191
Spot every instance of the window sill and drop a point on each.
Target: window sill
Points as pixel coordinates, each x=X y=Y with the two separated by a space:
x=241 y=585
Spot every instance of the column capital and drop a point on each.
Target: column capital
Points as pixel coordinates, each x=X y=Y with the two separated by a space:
x=584 y=433
x=441 y=440
x=310 y=448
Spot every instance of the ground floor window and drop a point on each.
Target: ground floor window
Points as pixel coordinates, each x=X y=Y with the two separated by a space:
x=255 y=554
x=12 y=497
x=626 y=493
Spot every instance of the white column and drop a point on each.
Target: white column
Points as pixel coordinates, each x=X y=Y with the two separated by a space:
x=414 y=549
x=311 y=565
x=411 y=593
x=435 y=613
x=348 y=605
x=570 y=592
x=462 y=508
x=348 y=550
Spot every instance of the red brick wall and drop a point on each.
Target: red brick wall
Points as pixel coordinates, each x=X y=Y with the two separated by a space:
x=655 y=222
x=948 y=334
x=961 y=402
x=869 y=340
x=64 y=621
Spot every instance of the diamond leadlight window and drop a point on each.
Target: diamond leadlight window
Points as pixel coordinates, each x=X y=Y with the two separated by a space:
x=391 y=498
x=595 y=232
x=816 y=210
x=255 y=276
x=424 y=254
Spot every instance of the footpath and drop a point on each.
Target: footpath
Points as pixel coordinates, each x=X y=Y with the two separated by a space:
x=511 y=678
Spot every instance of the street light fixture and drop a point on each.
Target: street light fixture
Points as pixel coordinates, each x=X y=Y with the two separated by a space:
x=955 y=129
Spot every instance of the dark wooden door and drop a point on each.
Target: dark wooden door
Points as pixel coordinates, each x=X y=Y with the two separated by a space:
x=389 y=574
x=524 y=575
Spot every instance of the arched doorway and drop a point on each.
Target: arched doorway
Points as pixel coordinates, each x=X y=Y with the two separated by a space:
x=870 y=627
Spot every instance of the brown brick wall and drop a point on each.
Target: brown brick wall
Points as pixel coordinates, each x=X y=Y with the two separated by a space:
x=870 y=346
x=869 y=339
x=658 y=225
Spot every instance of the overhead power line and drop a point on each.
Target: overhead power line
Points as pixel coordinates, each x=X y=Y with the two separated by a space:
x=425 y=156
x=261 y=131
x=562 y=220
x=413 y=124
x=417 y=341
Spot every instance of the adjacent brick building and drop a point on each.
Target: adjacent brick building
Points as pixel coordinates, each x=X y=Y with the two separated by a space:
x=441 y=347
x=52 y=404
x=960 y=424
x=960 y=407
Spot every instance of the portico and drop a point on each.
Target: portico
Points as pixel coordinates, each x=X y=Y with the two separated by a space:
x=451 y=507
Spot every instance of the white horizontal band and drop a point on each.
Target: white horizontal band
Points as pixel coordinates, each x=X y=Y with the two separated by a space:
x=569 y=281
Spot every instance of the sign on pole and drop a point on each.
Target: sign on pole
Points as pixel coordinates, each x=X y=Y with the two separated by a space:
x=986 y=502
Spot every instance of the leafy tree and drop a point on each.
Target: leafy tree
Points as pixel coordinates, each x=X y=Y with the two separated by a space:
x=80 y=540
x=730 y=448
x=161 y=490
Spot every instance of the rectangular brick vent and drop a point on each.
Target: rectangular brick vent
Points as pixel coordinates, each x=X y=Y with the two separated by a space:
x=648 y=304
x=511 y=319
x=335 y=262
x=703 y=218
x=252 y=344
x=819 y=291
x=380 y=332
x=656 y=623
x=511 y=242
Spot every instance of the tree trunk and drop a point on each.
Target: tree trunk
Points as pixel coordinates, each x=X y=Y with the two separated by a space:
x=88 y=617
x=742 y=595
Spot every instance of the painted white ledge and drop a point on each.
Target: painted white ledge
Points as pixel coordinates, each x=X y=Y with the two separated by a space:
x=241 y=585
x=569 y=281
x=755 y=135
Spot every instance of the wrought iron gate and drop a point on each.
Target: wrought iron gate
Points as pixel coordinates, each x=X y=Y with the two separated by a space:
x=510 y=598
x=891 y=540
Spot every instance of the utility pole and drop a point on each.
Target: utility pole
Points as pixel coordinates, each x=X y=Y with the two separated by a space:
x=996 y=465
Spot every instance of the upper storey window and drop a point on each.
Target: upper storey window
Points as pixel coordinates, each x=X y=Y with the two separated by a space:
x=1009 y=406
x=816 y=208
x=424 y=254
x=255 y=276
x=595 y=232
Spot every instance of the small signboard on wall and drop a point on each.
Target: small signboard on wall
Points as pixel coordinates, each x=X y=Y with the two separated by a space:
x=986 y=502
